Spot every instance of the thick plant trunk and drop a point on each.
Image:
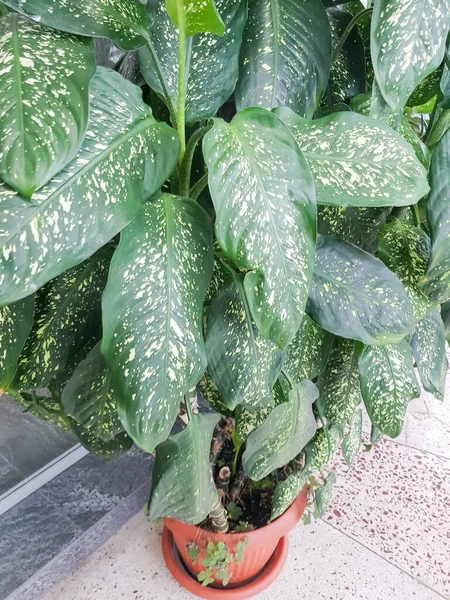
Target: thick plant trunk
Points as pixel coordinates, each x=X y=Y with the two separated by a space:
x=218 y=517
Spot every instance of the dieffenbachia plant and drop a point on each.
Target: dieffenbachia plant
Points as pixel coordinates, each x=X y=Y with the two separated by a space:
x=230 y=214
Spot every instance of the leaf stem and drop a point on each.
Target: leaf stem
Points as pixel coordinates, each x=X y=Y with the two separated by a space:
x=416 y=214
x=347 y=32
x=181 y=123
x=433 y=120
x=186 y=165
x=198 y=187
x=162 y=81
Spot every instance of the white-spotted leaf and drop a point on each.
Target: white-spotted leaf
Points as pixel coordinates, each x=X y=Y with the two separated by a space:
x=44 y=105
x=388 y=383
x=125 y=158
x=152 y=314
x=212 y=69
x=182 y=483
x=286 y=492
x=323 y=495
x=407 y=43
x=125 y=22
x=263 y=194
x=286 y=55
x=357 y=161
x=195 y=16
x=285 y=432
x=354 y=295
x=323 y=447
x=351 y=444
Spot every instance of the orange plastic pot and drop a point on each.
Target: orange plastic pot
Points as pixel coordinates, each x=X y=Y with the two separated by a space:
x=263 y=557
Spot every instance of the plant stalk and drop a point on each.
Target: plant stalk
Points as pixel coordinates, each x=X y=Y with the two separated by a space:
x=347 y=32
x=218 y=517
x=198 y=187
x=186 y=166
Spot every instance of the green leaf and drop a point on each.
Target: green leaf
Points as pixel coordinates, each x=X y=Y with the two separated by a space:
x=211 y=394
x=67 y=314
x=286 y=55
x=243 y=365
x=125 y=158
x=388 y=383
x=445 y=81
x=322 y=447
x=362 y=104
x=284 y=433
x=436 y=282
x=152 y=314
x=124 y=22
x=212 y=71
x=286 y=492
x=307 y=354
x=358 y=161
x=354 y=295
x=263 y=194
x=407 y=43
x=426 y=90
x=348 y=73
x=428 y=347
x=182 y=483
x=405 y=250
x=354 y=7
x=16 y=321
x=44 y=105
x=195 y=16
x=359 y=226
x=351 y=444
x=338 y=385
x=323 y=495
x=445 y=316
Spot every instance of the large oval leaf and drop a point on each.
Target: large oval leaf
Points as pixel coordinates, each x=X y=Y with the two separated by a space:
x=44 y=104
x=285 y=432
x=182 y=483
x=126 y=157
x=407 y=43
x=16 y=321
x=125 y=22
x=286 y=491
x=243 y=365
x=152 y=314
x=338 y=384
x=263 y=194
x=67 y=314
x=354 y=295
x=436 y=282
x=388 y=383
x=358 y=161
x=428 y=346
x=405 y=250
x=212 y=70
x=286 y=55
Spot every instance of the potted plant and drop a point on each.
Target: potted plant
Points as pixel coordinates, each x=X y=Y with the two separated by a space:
x=220 y=215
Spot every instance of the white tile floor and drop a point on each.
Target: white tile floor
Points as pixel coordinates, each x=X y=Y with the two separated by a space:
x=385 y=537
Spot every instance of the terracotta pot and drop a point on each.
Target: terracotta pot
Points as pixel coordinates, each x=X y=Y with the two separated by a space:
x=252 y=575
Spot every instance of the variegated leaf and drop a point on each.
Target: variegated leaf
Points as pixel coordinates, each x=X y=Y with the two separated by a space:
x=67 y=314
x=195 y=16
x=405 y=250
x=285 y=58
x=243 y=365
x=211 y=394
x=357 y=161
x=125 y=158
x=322 y=447
x=222 y=275
x=263 y=194
x=426 y=90
x=212 y=69
x=354 y=295
x=436 y=282
x=351 y=444
x=16 y=321
x=338 y=385
x=182 y=483
x=307 y=354
x=362 y=104
x=44 y=105
x=354 y=7
x=125 y=22
x=428 y=346
x=285 y=432
x=323 y=495
x=388 y=383
x=444 y=83
x=348 y=73
x=445 y=316
x=407 y=43
x=359 y=226
x=286 y=492
x=152 y=314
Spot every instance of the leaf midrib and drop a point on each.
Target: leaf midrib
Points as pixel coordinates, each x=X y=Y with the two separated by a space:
x=275 y=9
x=18 y=79
x=122 y=139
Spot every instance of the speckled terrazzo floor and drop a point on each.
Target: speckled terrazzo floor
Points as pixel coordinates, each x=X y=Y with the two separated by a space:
x=385 y=537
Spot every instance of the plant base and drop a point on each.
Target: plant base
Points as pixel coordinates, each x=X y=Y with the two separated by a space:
x=259 y=583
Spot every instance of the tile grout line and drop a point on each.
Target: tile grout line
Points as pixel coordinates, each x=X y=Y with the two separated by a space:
x=393 y=441
x=385 y=559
